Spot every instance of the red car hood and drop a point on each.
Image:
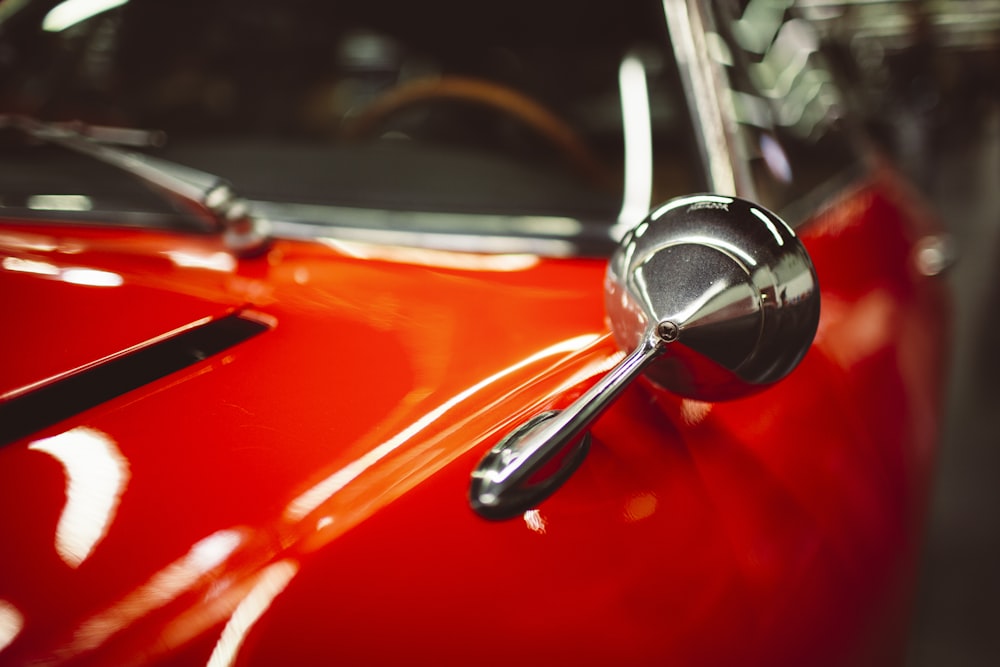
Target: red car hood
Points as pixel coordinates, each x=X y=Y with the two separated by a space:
x=300 y=496
x=275 y=446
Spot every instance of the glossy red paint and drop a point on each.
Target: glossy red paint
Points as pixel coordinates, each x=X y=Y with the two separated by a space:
x=99 y=313
x=301 y=498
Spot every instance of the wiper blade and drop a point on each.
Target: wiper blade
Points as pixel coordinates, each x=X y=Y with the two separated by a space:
x=208 y=196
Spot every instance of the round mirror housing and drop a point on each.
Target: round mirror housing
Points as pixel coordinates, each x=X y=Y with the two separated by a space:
x=727 y=287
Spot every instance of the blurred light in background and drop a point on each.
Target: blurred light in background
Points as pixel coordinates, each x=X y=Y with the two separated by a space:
x=67 y=14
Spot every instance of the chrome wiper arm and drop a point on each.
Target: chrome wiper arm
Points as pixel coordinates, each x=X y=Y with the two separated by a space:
x=115 y=135
x=208 y=196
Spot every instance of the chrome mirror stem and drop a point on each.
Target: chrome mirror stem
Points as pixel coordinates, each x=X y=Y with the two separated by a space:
x=501 y=484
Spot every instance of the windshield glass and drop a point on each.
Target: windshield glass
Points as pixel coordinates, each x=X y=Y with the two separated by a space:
x=519 y=108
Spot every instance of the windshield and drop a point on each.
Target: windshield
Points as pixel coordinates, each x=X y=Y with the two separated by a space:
x=521 y=108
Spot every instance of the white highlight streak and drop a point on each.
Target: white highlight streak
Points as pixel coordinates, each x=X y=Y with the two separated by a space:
x=96 y=476
x=67 y=14
x=317 y=495
x=637 y=127
x=271 y=582
x=11 y=624
x=770 y=226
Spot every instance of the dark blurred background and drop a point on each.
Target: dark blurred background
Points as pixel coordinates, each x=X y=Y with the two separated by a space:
x=927 y=76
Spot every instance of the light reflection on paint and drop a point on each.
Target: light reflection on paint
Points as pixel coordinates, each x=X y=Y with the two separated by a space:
x=694 y=412
x=96 y=477
x=535 y=522
x=442 y=259
x=591 y=369
x=163 y=587
x=318 y=494
x=11 y=624
x=271 y=581
x=863 y=327
x=74 y=275
x=19 y=265
x=91 y=277
x=215 y=261
x=640 y=507
x=28 y=242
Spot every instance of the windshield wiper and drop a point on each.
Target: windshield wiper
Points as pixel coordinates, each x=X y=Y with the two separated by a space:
x=207 y=196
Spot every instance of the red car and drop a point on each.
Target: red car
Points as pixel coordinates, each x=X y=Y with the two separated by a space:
x=399 y=333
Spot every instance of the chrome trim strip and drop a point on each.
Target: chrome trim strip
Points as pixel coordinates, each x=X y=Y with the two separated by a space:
x=726 y=169
x=637 y=127
x=547 y=236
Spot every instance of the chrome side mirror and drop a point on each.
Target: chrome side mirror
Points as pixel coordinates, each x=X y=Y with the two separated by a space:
x=723 y=286
x=713 y=297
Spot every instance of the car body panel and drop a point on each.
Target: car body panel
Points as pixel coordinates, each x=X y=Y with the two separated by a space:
x=105 y=312
x=301 y=497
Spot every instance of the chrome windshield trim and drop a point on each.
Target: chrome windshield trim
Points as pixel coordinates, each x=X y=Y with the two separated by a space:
x=689 y=21
x=547 y=236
